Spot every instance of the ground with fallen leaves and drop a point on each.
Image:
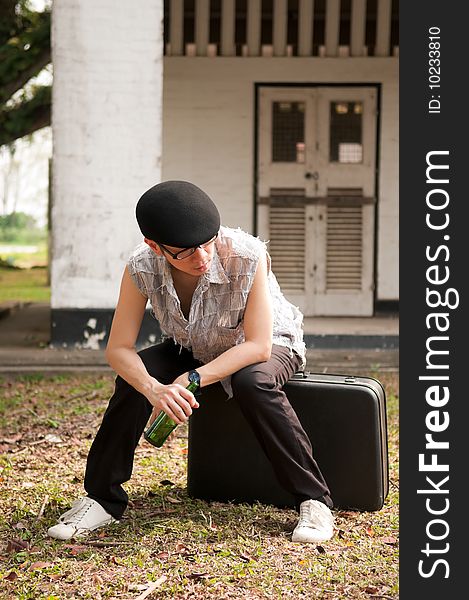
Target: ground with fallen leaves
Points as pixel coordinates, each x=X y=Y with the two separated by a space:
x=168 y=545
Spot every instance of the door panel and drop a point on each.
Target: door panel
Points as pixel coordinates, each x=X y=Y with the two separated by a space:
x=346 y=148
x=286 y=131
x=316 y=195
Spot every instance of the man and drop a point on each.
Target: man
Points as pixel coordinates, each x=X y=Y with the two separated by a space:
x=225 y=320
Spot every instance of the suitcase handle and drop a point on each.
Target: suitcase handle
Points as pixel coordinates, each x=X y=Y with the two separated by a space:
x=300 y=375
x=305 y=374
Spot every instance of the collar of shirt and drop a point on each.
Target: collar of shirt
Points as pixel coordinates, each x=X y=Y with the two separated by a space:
x=216 y=273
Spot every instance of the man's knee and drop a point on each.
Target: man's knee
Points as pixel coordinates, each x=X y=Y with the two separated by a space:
x=122 y=385
x=163 y=362
x=249 y=380
x=124 y=391
x=147 y=356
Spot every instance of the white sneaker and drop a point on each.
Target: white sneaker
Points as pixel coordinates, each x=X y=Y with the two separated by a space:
x=84 y=516
x=315 y=524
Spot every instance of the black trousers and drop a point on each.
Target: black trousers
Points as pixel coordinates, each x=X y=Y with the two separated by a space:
x=258 y=390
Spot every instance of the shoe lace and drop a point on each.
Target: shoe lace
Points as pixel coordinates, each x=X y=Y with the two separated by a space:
x=77 y=516
x=310 y=517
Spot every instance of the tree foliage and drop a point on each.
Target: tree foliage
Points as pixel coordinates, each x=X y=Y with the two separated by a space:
x=24 y=51
x=19 y=227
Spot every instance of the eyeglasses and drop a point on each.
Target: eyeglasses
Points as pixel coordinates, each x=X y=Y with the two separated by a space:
x=186 y=252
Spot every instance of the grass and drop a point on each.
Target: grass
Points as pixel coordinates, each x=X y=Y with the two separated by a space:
x=24 y=285
x=168 y=545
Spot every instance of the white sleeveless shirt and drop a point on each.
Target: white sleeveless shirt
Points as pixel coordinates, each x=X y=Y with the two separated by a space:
x=216 y=317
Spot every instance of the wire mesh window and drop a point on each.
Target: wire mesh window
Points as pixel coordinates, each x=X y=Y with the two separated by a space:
x=288 y=132
x=346 y=132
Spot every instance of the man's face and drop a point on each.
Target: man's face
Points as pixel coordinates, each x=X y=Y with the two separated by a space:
x=195 y=265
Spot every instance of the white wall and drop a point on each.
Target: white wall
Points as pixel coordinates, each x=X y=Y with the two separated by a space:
x=209 y=130
x=106 y=123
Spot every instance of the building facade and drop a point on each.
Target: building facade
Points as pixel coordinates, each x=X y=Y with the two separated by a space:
x=284 y=112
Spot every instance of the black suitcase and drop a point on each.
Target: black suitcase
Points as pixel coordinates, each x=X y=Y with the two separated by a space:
x=345 y=419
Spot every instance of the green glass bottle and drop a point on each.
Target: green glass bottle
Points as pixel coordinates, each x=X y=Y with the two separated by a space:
x=163 y=425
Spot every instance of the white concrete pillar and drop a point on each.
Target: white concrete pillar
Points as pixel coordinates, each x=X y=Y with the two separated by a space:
x=253 y=27
x=305 y=27
x=383 y=28
x=279 y=29
x=332 y=27
x=228 y=21
x=176 y=27
x=107 y=125
x=357 y=28
x=202 y=26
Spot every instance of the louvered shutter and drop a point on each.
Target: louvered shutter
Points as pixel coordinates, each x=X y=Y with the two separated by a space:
x=321 y=253
x=287 y=245
x=343 y=282
x=344 y=247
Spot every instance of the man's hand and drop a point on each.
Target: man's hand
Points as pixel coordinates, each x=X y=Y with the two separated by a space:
x=174 y=399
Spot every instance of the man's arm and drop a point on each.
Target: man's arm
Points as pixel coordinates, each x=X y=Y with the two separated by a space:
x=121 y=355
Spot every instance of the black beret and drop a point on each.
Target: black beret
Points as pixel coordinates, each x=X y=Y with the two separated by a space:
x=177 y=213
